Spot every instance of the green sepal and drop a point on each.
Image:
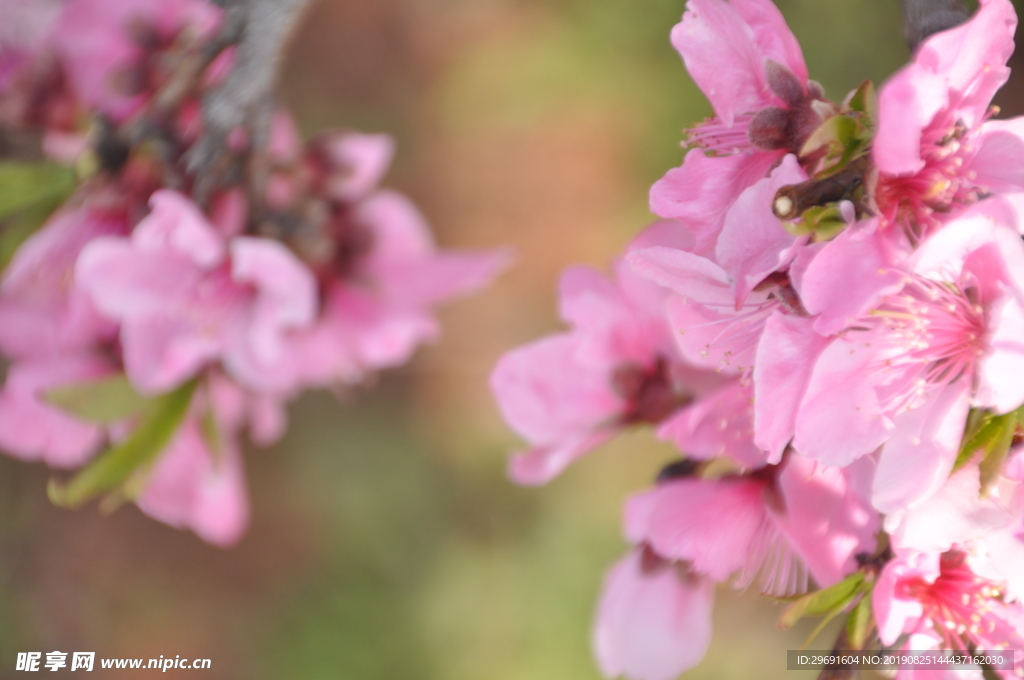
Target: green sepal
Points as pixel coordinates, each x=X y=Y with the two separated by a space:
x=859 y=623
x=864 y=100
x=828 y=601
x=839 y=140
x=104 y=400
x=821 y=223
x=156 y=427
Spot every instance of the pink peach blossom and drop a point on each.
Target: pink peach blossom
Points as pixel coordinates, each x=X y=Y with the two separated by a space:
x=568 y=393
x=185 y=298
x=937 y=596
x=749 y=65
x=904 y=374
x=934 y=150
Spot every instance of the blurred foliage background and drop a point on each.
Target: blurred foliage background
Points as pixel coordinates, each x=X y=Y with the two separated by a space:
x=386 y=542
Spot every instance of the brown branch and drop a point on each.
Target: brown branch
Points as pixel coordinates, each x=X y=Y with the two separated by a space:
x=923 y=18
x=263 y=28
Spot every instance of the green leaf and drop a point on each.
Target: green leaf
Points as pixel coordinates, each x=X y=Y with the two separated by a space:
x=822 y=602
x=859 y=623
x=24 y=185
x=157 y=425
x=104 y=400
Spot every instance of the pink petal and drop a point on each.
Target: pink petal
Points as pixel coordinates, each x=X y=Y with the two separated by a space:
x=725 y=45
x=652 y=623
x=611 y=328
x=972 y=56
x=724 y=342
x=93 y=40
x=920 y=454
x=848 y=277
x=442 y=276
x=999 y=369
x=31 y=429
x=177 y=223
x=753 y=242
x=641 y=292
x=719 y=424
x=772 y=35
x=907 y=103
x=957 y=513
x=400 y=232
x=711 y=524
x=589 y=299
x=840 y=418
x=286 y=292
x=825 y=518
x=687 y=274
x=362 y=160
x=162 y=352
x=542 y=464
x=997 y=165
x=547 y=397
x=701 y=192
x=190 y=488
x=42 y=312
x=894 y=612
x=363 y=332
x=786 y=355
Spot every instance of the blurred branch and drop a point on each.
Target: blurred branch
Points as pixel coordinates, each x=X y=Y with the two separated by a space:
x=260 y=29
x=922 y=18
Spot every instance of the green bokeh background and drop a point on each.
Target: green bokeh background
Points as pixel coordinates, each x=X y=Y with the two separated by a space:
x=386 y=542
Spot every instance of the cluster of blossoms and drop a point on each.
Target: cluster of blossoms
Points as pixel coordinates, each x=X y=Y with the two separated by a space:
x=151 y=318
x=828 y=323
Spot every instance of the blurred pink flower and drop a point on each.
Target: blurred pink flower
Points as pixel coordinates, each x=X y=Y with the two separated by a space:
x=654 y=618
x=198 y=482
x=41 y=312
x=378 y=305
x=110 y=48
x=186 y=298
x=380 y=274
x=618 y=366
x=30 y=428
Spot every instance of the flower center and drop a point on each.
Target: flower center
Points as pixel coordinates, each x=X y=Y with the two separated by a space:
x=943 y=184
x=931 y=333
x=650 y=393
x=959 y=604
